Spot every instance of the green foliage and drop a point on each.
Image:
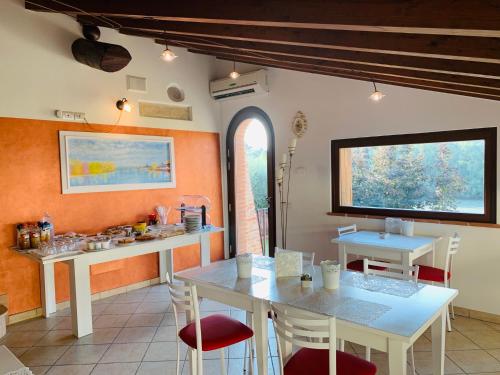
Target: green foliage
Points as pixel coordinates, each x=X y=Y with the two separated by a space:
x=423 y=176
x=257 y=166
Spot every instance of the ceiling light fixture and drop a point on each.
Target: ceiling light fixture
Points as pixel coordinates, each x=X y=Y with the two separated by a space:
x=234 y=74
x=377 y=95
x=168 y=55
x=123 y=105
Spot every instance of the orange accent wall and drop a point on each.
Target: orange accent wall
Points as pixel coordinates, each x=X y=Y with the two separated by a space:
x=30 y=184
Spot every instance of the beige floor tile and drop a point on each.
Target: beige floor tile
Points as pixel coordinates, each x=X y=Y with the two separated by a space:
x=98 y=309
x=39 y=370
x=130 y=298
x=64 y=312
x=71 y=370
x=157 y=297
x=474 y=361
x=381 y=361
x=125 y=353
x=18 y=351
x=57 y=338
x=116 y=368
x=161 y=368
x=121 y=308
x=423 y=364
x=111 y=321
x=153 y=307
x=495 y=353
x=38 y=324
x=164 y=351
x=43 y=355
x=485 y=339
x=83 y=354
x=22 y=339
x=458 y=341
x=169 y=320
x=166 y=333
x=208 y=305
x=145 y=320
x=106 y=300
x=423 y=344
x=100 y=336
x=64 y=323
x=210 y=366
x=135 y=334
x=463 y=324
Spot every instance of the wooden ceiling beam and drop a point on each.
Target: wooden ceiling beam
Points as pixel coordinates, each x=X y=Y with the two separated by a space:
x=451 y=17
x=407 y=82
x=350 y=66
x=437 y=46
x=466 y=68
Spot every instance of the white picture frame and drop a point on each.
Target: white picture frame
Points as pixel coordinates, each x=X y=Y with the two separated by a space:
x=97 y=162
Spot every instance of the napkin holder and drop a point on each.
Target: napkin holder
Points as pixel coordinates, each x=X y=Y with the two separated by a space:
x=288 y=263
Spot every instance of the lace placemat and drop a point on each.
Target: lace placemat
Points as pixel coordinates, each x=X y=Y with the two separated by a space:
x=395 y=287
x=345 y=308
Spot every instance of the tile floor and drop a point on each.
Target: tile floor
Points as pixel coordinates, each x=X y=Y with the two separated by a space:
x=134 y=333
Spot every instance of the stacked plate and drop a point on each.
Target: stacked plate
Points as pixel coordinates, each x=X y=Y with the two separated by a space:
x=193 y=223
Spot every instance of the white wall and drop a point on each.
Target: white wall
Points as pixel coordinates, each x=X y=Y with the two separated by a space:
x=38 y=74
x=339 y=108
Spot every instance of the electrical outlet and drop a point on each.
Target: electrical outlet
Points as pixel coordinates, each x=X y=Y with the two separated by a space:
x=70 y=116
x=79 y=116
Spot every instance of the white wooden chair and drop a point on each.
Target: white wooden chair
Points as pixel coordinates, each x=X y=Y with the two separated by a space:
x=443 y=276
x=204 y=334
x=395 y=271
x=312 y=333
x=355 y=265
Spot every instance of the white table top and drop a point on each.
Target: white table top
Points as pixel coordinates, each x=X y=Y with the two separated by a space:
x=386 y=309
x=128 y=250
x=392 y=242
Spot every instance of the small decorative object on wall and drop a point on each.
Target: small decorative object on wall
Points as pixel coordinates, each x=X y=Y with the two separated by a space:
x=94 y=162
x=299 y=124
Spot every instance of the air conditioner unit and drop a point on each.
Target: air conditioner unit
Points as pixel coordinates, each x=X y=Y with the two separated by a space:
x=246 y=84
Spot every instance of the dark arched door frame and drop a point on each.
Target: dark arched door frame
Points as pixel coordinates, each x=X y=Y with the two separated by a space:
x=242 y=115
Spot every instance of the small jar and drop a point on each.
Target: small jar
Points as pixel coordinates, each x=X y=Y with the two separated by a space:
x=35 y=240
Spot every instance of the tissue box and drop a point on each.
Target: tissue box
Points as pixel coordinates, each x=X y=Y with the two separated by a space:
x=288 y=263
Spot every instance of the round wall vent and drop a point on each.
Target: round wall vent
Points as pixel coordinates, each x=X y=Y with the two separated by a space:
x=175 y=93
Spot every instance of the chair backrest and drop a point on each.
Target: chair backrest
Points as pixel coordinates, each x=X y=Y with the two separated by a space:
x=453 y=245
x=347 y=230
x=306 y=330
x=393 y=270
x=185 y=299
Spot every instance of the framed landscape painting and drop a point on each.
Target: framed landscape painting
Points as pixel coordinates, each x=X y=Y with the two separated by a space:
x=93 y=162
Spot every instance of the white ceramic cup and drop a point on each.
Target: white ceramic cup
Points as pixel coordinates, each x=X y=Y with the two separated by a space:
x=330 y=270
x=244 y=265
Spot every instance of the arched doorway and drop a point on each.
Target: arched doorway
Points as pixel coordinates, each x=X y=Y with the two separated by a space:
x=251 y=193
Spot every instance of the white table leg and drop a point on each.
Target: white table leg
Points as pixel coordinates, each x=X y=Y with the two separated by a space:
x=342 y=256
x=397 y=357
x=204 y=249
x=261 y=335
x=166 y=264
x=438 y=342
x=48 y=289
x=81 y=308
x=407 y=262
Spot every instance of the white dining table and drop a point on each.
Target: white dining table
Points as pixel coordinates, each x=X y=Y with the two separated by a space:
x=385 y=314
x=395 y=247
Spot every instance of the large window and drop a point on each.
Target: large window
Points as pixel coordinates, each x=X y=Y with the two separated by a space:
x=443 y=175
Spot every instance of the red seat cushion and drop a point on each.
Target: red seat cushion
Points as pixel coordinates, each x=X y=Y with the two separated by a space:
x=357 y=265
x=217 y=331
x=315 y=361
x=428 y=273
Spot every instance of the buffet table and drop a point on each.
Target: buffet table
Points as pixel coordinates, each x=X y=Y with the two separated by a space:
x=79 y=275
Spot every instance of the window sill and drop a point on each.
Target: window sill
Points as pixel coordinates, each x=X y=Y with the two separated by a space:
x=445 y=222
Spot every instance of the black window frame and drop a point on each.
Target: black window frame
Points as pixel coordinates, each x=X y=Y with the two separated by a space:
x=489 y=135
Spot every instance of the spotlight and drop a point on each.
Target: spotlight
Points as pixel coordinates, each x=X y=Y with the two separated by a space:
x=376 y=96
x=234 y=74
x=168 y=55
